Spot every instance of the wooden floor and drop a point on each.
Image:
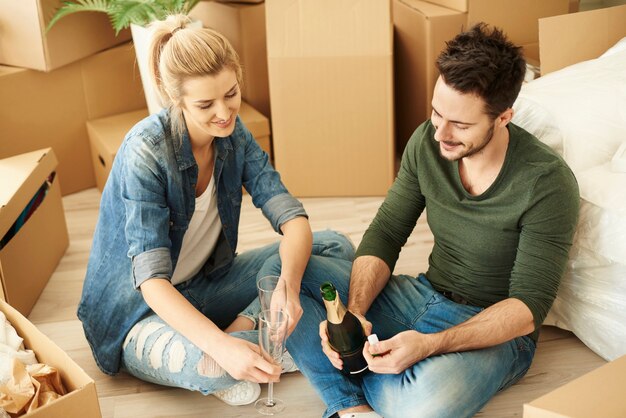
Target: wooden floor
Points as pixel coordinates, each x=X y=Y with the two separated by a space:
x=560 y=355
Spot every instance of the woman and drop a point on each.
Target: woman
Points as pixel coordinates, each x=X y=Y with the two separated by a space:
x=164 y=285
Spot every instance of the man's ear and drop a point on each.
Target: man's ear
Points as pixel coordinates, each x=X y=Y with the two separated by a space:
x=505 y=117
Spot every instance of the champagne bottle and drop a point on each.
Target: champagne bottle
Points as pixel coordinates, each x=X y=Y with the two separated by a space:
x=345 y=332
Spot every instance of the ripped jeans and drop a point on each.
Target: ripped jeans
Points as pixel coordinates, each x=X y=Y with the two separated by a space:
x=155 y=352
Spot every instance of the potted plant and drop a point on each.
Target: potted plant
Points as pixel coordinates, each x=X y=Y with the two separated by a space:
x=136 y=14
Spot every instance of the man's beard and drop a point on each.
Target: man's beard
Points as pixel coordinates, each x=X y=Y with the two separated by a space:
x=480 y=147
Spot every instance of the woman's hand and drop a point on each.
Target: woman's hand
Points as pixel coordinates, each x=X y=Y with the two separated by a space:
x=243 y=361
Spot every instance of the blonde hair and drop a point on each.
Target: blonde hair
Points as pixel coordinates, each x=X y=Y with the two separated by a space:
x=179 y=52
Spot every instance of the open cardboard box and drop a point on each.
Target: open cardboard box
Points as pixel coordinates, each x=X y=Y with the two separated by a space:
x=25 y=43
x=30 y=255
x=81 y=401
x=599 y=393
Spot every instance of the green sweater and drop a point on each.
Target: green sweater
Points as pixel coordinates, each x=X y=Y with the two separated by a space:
x=510 y=241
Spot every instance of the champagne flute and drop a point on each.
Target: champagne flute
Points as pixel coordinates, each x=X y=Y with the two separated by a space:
x=272 y=292
x=273 y=325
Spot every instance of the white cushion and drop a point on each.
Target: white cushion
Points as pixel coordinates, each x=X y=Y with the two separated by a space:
x=586 y=104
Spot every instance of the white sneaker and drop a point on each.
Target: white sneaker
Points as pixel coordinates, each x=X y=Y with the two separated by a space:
x=242 y=393
x=287 y=363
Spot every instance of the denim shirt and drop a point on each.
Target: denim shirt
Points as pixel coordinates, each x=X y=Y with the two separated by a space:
x=145 y=209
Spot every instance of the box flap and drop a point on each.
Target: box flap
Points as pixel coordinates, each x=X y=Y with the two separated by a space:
x=20 y=178
x=328 y=28
x=428 y=9
x=599 y=393
x=519 y=18
x=460 y=5
x=566 y=40
x=254 y=120
x=432 y=8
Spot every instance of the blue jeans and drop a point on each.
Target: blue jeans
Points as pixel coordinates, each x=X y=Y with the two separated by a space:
x=155 y=352
x=449 y=385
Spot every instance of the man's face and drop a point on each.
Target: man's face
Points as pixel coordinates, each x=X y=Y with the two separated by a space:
x=211 y=104
x=462 y=127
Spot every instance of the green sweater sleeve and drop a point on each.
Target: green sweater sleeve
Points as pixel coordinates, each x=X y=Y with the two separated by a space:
x=547 y=231
x=398 y=214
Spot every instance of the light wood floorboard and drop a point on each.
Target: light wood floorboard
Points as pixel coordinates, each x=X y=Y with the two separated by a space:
x=560 y=356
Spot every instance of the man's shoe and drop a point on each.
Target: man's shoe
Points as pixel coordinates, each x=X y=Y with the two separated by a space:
x=242 y=393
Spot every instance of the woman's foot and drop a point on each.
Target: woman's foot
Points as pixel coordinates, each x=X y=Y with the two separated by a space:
x=242 y=393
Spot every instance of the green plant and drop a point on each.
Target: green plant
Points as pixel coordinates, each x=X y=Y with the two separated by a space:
x=124 y=12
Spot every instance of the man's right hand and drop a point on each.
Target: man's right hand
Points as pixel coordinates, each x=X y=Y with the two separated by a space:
x=243 y=361
x=332 y=355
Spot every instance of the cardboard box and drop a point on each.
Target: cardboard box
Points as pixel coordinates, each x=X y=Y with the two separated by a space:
x=421 y=32
x=258 y=125
x=244 y=26
x=458 y=5
x=81 y=401
x=25 y=43
x=41 y=110
x=29 y=257
x=422 y=29
x=106 y=136
x=568 y=39
x=331 y=88
x=599 y=393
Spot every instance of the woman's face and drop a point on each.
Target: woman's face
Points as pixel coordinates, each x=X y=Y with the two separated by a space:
x=210 y=105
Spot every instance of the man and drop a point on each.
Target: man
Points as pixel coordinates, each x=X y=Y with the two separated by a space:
x=502 y=208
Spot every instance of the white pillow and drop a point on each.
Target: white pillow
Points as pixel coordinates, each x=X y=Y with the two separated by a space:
x=586 y=104
x=536 y=119
x=580 y=111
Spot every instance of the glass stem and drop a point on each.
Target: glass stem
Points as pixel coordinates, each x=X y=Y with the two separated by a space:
x=270 y=394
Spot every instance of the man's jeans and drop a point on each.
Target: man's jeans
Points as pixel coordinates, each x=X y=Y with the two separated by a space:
x=450 y=385
x=155 y=352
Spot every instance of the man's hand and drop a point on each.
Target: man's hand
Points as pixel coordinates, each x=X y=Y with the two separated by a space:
x=243 y=361
x=332 y=355
x=398 y=353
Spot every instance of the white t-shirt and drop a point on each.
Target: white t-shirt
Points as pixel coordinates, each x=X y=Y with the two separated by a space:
x=201 y=236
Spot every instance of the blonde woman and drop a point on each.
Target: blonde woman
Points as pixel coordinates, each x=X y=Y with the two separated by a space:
x=164 y=285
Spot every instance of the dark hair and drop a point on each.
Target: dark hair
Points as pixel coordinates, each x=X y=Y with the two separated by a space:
x=485 y=63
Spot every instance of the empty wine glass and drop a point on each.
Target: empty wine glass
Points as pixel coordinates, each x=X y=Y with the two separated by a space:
x=272 y=292
x=273 y=325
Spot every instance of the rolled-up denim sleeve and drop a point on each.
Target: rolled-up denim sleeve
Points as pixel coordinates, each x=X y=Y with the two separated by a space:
x=282 y=208
x=156 y=263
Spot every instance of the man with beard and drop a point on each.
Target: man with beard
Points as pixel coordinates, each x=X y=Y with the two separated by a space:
x=502 y=208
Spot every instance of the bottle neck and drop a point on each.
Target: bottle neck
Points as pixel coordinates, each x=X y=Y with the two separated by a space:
x=335 y=310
